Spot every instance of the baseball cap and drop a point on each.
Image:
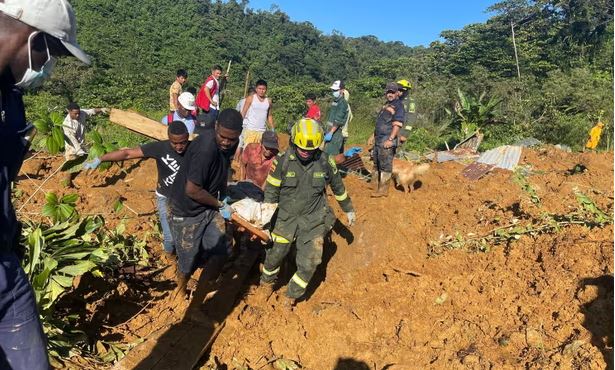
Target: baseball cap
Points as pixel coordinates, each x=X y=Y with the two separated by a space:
x=339 y=84
x=392 y=86
x=54 y=17
x=186 y=100
x=270 y=140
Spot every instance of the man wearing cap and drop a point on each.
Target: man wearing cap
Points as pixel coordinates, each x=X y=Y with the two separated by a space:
x=256 y=159
x=33 y=34
x=336 y=119
x=183 y=113
x=390 y=120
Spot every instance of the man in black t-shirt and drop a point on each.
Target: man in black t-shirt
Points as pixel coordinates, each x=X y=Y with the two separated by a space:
x=169 y=155
x=197 y=212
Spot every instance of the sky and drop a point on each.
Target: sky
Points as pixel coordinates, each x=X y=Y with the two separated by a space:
x=413 y=22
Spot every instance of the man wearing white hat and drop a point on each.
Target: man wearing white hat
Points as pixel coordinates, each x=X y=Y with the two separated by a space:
x=185 y=106
x=32 y=34
x=336 y=119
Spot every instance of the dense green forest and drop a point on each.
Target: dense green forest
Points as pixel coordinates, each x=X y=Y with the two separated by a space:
x=563 y=83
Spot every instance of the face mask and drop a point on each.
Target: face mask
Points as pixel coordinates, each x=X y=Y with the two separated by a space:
x=336 y=94
x=31 y=78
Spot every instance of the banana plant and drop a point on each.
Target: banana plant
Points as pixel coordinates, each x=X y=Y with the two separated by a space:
x=50 y=126
x=472 y=113
x=60 y=209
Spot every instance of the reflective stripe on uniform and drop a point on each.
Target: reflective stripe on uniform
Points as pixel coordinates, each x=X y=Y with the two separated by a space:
x=270 y=272
x=299 y=281
x=342 y=197
x=279 y=239
x=273 y=181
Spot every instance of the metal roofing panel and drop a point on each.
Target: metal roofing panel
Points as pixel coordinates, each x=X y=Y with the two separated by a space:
x=505 y=157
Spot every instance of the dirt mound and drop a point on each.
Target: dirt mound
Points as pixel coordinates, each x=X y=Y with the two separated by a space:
x=379 y=300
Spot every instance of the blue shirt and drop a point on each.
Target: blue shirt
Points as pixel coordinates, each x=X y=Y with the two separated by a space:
x=188 y=121
x=384 y=122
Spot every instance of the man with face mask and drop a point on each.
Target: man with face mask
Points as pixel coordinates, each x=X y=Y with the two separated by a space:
x=297 y=182
x=336 y=119
x=32 y=34
x=196 y=199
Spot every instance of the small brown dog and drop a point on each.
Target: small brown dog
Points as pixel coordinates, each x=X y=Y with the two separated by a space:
x=406 y=173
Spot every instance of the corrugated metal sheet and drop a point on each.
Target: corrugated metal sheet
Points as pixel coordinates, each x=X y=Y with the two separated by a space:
x=506 y=157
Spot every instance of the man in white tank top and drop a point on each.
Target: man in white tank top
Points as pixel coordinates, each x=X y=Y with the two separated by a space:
x=256 y=114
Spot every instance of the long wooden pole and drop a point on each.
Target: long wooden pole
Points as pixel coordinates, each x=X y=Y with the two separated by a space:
x=512 y=28
x=245 y=85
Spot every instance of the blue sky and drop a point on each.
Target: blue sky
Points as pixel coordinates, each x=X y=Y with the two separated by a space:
x=412 y=22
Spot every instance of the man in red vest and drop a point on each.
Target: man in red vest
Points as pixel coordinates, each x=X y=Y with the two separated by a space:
x=208 y=98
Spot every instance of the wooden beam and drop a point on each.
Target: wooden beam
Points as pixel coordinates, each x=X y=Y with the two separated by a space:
x=139 y=124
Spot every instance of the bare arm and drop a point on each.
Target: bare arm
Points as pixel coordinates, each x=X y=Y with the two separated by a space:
x=246 y=105
x=174 y=96
x=270 y=116
x=122 y=155
x=200 y=195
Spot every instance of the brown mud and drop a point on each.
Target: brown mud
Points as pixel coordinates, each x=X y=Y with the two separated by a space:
x=379 y=300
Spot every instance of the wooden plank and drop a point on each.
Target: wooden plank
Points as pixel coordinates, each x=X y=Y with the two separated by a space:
x=140 y=124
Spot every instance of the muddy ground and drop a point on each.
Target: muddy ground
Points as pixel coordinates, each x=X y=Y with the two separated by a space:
x=382 y=298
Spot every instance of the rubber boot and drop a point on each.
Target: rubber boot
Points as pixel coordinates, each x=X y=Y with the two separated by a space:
x=182 y=284
x=383 y=186
x=375 y=180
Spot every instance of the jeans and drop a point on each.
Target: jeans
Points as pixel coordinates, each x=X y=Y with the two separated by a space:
x=163 y=214
x=199 y=237
x=22 y=342
x=383 y=158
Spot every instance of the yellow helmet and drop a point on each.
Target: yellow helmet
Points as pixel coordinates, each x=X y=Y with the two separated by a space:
x=404 y=84
x=307 y=134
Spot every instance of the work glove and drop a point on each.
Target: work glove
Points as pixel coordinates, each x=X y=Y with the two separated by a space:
x=328 y=137
x=93 y=164
x=225 y=210
x=352 y=151
x=352 y=217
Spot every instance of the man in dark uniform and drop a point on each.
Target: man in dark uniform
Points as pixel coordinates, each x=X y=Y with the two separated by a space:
x=297 y=182
x=390 y=120
x=33 y=33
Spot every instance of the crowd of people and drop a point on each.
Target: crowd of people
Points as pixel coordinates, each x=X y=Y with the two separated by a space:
x=193 y=176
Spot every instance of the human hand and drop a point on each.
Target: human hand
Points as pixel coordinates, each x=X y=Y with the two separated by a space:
x=105 y=110
x=387 y=144
x=92 y=165
x=328 y=137
x=352 y=151
x=226 y=211
x=352 y=217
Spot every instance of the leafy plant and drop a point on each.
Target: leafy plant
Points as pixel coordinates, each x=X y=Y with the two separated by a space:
x=58 y=253
x=60 y=209
x=100 y=148
x=472 y=113
x=50 y=126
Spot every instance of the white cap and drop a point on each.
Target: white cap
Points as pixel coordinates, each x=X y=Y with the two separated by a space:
x=186 y=100
x=337 y=85
x=54 y=17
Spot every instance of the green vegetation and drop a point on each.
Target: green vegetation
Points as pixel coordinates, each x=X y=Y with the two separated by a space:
x=59 y=252
x=565 y=64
